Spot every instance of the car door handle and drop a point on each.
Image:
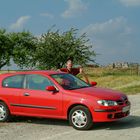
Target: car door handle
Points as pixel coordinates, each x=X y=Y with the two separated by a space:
x=26 y=94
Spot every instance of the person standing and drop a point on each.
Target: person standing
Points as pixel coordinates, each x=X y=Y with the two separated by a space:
x=74 y=71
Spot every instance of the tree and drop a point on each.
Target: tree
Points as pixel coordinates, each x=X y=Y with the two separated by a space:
x=54 y=48
x=24 y=47
x=6 y=48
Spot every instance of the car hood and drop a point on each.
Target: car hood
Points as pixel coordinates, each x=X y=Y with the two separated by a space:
x=100 y=93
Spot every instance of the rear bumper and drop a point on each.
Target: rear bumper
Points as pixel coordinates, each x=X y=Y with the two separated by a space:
x=111 y=114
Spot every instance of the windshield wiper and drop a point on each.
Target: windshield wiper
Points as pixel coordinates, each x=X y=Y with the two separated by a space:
x=78 y=87
x=85 y=86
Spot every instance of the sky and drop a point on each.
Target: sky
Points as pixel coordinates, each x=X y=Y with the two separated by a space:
x=113 y=26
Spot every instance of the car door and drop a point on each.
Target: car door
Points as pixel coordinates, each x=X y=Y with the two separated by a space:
x=12 y=87
x=37 y=101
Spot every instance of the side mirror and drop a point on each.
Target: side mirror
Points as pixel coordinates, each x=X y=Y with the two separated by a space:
x=51 y=88
x=93 y=83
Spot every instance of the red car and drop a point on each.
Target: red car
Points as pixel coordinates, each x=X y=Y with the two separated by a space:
x=52 y=94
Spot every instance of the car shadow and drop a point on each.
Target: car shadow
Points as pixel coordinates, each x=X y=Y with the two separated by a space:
x=126 y=123
x=131 y=121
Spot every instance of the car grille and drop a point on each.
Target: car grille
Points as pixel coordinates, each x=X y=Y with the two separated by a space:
x=123 y=101
x=118 y=115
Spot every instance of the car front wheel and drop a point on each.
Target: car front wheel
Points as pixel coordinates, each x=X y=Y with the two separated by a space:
x=80 y=118
x=4 y=112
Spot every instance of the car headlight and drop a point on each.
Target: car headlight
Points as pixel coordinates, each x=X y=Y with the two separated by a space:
x=107 y=103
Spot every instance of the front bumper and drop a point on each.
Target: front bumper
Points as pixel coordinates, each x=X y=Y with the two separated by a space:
x=111 y=113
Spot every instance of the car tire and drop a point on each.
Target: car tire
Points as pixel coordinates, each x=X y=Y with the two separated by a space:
x=4 y=112
x=80 y=118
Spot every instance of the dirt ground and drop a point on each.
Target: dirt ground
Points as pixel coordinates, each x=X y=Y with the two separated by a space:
x=47 y=129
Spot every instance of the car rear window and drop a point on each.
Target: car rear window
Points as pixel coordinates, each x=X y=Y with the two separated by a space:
x=15 y=81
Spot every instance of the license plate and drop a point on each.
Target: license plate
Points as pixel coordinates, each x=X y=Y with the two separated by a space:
x=126 y=108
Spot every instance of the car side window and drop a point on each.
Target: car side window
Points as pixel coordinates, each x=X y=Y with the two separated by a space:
x=37 y=82
x=13 y=81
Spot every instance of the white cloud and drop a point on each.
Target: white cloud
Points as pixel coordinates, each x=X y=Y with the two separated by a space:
x=47 y=15
x=19 y=23
x=113 y=39
x=118 y=25
x=76 y=7
x=130 y=2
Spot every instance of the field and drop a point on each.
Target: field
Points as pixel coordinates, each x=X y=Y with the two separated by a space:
x=125 y=80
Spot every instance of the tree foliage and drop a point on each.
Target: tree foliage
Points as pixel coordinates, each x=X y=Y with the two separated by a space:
x=54 y=49
x=51 y=50
x=6 y=48
x=24 y=46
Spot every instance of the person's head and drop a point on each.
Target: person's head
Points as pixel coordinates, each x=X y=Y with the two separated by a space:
x=69 y=63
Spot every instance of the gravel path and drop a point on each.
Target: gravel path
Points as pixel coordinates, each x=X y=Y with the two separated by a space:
x=47 y=129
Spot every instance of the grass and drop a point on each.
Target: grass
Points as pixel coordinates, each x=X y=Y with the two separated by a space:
x=131 y=89
x=124 y=80
x=126 y=84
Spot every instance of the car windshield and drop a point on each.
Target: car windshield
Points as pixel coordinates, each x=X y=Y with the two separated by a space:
x=69 y=82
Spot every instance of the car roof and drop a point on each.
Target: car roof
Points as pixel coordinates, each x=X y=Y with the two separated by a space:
x=46 y=72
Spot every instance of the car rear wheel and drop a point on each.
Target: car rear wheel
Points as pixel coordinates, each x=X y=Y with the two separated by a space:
x=4 y=112
x=80 y=118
